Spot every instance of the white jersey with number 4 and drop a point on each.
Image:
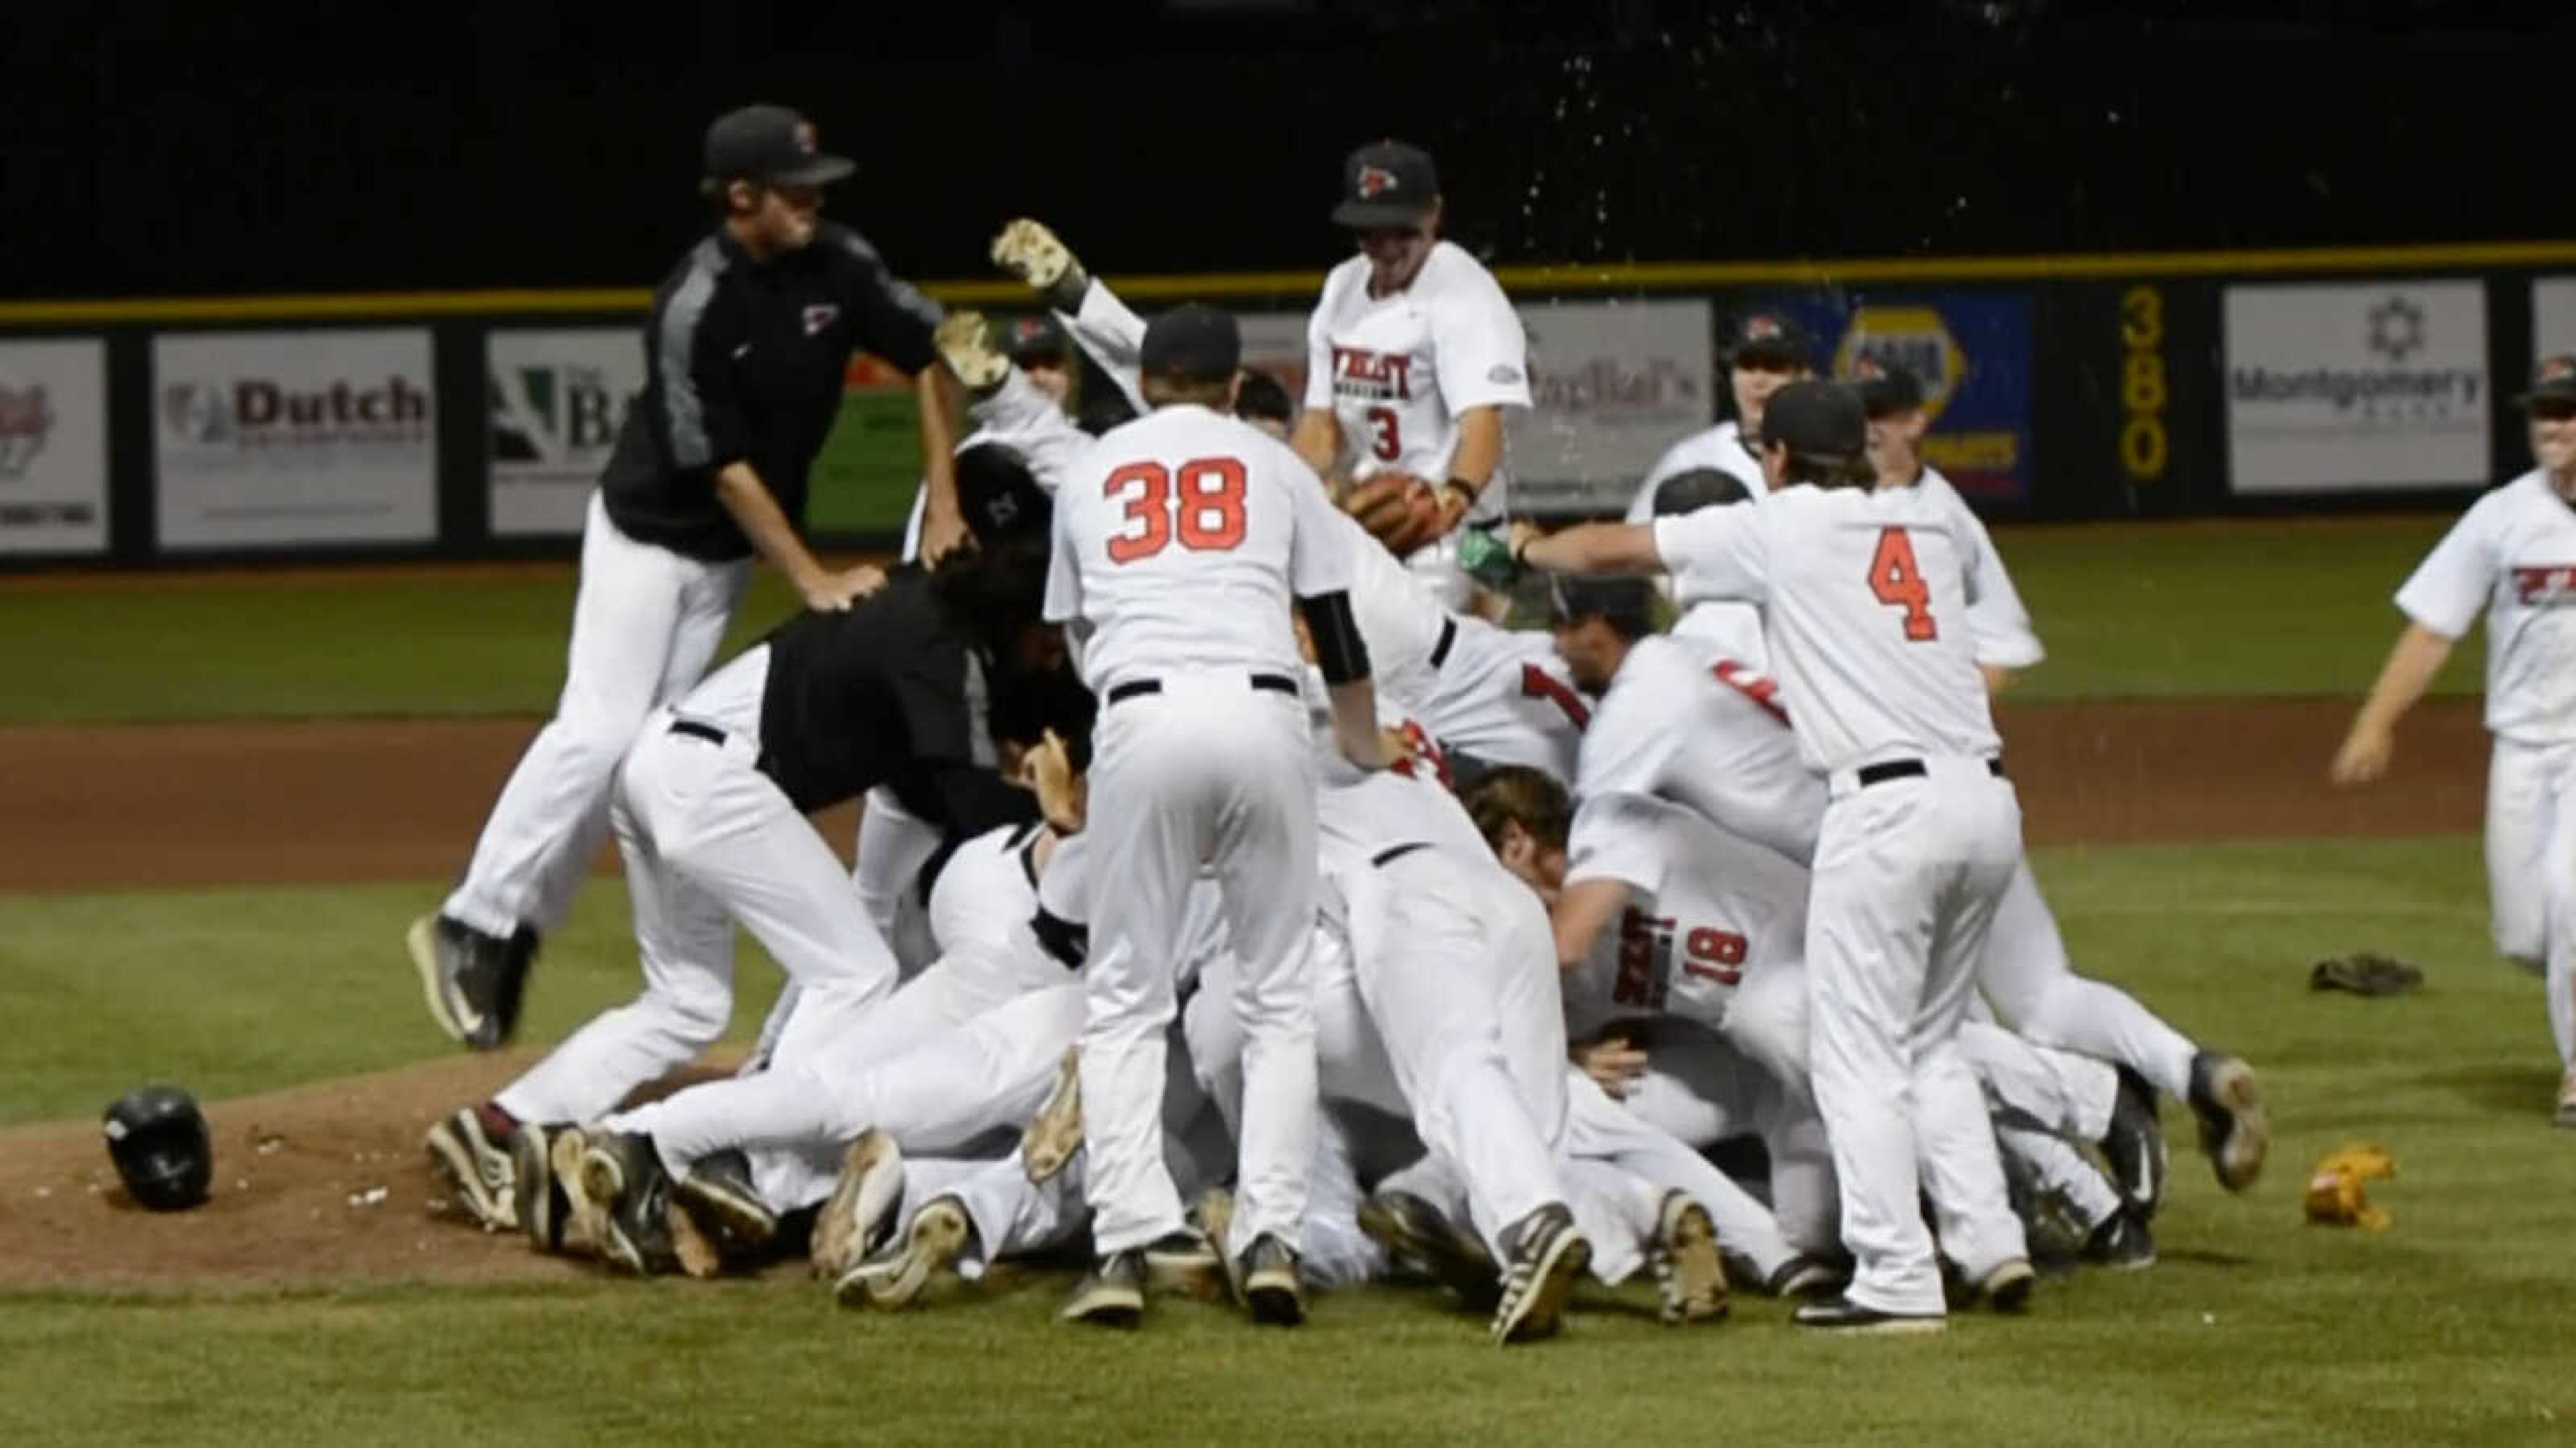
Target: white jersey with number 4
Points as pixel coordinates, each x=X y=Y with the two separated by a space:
x=1397 y=370
x=2513 y=553
x=1181 y=539
x=1864 y=601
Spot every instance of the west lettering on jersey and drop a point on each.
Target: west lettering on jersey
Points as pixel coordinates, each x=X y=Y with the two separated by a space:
x=2545 y=585
x=1372 y=376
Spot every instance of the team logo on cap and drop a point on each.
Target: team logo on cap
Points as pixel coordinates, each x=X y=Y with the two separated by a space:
x=2557 y=369
x=1867 y=369
x=819 y=316
x=805 y=141
x=1763 y=328
x=1375 y=182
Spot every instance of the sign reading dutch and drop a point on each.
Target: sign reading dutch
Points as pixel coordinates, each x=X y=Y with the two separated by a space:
x=2334 y=388
x=53 y=447
x=271 y=438
x=555 y=400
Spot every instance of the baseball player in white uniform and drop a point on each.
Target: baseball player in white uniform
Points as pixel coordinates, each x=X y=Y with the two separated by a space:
x=745 y=349
x=1181 y=542
x=1413 y=352
x=1921 y=836
x=2512 y=556
x=1490 y=694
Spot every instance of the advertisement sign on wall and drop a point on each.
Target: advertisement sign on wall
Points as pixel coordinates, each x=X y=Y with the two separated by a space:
x=1971 y=351
x=2553 y=316
x=270 y=438
x=53 y=447
x=554 y=401
x=2334 y=388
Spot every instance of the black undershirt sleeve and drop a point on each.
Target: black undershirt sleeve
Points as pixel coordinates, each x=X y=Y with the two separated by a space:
x=1339 y=650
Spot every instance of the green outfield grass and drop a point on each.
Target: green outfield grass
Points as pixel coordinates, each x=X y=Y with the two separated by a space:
x=2127 y=610
x=2256 y=1329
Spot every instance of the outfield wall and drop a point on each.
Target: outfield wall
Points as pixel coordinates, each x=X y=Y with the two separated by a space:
x=470 y=424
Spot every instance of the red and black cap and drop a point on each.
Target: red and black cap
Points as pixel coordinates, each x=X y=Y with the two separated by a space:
x=1813 y=419
x=1193 y=343
x=1885 y=388
x=1768 y=335
x=771 y=145
x=1385 y=184
x=1034 y=338
x=2553 y=380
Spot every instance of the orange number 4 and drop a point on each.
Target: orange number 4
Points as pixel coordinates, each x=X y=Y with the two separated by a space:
x=1899 y=584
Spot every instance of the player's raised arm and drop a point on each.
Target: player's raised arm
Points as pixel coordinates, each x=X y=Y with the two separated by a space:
x=1587 y=548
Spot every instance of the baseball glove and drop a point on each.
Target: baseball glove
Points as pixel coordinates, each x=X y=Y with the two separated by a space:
x=1398 y=510
x=2335 y=1197
x=2364 y=973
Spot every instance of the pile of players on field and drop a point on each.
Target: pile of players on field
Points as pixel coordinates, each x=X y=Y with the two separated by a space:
x=1569 y=931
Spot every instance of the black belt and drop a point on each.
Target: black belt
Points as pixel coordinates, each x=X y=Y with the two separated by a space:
x=1869 y=774
x=696 y=730
x=1448 y=636
x=1393 y=853
x=1275 y=683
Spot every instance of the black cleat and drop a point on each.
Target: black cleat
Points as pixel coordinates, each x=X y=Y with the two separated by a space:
x=2230 y=1108
x=1849 y=1318
x=544 y=1209
x=2135 y=1146
x=472 y=981
x=1113 y=1295
x=480 y=1165
x=2007 y=1288
x=624 y=1175
x=717 y=1194
x=940 y=1233
x=1413 y=1230
x=1804 y=1276
x=1268 y=1271
x=2121 y=1242
x=1542 y=1255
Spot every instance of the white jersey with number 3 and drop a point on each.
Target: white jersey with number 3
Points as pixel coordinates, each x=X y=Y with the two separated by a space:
x=2513 y=554
x=1397 y=370
x=1181 y=539
x=1864 y=601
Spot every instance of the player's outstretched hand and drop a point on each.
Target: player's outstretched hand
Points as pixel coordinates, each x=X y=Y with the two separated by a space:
x=1612 y=1063
x=835 y=592
x=943 y=531
x=2363 y=757
x=1037 y=256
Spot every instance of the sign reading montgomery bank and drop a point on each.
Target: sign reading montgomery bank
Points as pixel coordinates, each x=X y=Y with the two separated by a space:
x=2342 y=387
x=53 y=446
x=275 y=438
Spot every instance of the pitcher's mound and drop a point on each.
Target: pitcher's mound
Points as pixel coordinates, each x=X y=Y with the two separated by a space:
x=321 y=1183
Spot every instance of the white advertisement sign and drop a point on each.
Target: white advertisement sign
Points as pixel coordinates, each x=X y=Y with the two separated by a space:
x=2333 y=388
x=1612 y=384
x=272 y=438
x=53 y=447
x=2553 y=317
x=554 y=403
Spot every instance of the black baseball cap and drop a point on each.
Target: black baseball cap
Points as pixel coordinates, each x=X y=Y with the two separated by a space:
x=1627 y=604
x=772 y=145
x=1193 y=342
x=1386 y=183
x=1816 y=420
x=2553 y=380
x=1768 y=335
x=1885 y=388
x=1688 y=492
x=1034 y=338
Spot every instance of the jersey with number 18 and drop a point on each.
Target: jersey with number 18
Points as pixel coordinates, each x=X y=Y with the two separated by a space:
x=1864 y=600
x=1181 y=539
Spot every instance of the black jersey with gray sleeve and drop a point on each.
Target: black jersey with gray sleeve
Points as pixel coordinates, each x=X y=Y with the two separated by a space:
x=744 y=362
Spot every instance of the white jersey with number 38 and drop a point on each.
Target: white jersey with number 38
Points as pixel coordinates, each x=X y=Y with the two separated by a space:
x=1180 y=541
x=1864 y=601
x=1397 y=370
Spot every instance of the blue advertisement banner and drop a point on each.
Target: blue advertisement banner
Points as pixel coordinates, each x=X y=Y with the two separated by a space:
x=1970 y=348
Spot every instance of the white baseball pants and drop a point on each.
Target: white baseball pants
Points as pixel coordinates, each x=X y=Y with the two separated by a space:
x=644 y=624
x=1700 y=1089
x=2026 y=976
x=2043 y=1102
x=1908 y=873
x=1491 y=698
x=1207 y=769
x=2531 y=870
